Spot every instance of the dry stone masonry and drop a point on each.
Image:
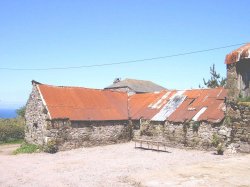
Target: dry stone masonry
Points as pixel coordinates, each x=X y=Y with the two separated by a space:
x=69 y=134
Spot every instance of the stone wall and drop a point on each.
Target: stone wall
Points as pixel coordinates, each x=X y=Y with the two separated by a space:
x=238 y=79
x=238 y=118
x=194 y=135
x=70 y=135
x=232 y=82
x=233 y=131
x=36 y=117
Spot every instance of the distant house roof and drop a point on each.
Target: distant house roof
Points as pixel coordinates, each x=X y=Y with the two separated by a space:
x=84 y=104
x=239 y=54
x=80 y=104
x=139 y=86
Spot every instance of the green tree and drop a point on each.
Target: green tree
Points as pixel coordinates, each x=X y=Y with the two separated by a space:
x=215 y=80
x=21 y=112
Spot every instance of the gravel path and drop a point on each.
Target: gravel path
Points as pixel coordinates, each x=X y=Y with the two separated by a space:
x=116 y=165
x=8 y=149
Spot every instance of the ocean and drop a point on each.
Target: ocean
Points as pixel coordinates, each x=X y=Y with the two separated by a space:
x=8 y=113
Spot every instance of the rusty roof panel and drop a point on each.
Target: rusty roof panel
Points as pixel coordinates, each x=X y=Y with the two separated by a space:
x=144 y=105
x=197 y=104
x=82 y=104
x=174 y=102
x=78 y=103
x=239 y=54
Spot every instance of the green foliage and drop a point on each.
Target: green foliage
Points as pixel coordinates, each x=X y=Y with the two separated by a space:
x=27 y=148
x=51 y=147
x=220 y=149
x=244 y=99
x=218 y=143
x=215 y=80
x=19 y=141
x=195 y=126
x=21 y=112
x=227 y=120
x=216 y=140
x=11 y=130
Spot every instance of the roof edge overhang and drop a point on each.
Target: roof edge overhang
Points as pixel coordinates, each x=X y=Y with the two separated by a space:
x=43 y=100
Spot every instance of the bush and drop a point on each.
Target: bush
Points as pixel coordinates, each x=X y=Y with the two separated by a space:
x=51 y=147
x=220 y=149
x=27 y=148
x=216 y=140
x=195 y=126
x=11 y=130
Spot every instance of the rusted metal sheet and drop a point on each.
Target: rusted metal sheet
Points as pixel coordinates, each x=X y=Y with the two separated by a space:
x=78 y=103
x=239 y=54
x=173 y=103
x=180 y=106
x=82 y=104
x=145 y=106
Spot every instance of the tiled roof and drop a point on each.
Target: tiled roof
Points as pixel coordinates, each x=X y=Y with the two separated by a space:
x=239 y=54
x=139 y=86
x=83 y=104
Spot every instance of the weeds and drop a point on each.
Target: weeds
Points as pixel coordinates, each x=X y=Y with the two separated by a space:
x=27 y=148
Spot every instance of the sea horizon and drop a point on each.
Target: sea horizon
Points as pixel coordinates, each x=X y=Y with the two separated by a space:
x=7 y=113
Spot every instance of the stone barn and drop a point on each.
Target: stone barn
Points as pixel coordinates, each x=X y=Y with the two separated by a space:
x=238 y=72
x=75 y=116
x=79 y=117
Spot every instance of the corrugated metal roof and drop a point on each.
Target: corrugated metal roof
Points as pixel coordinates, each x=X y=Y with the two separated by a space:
x=139 y=86
x=239 y=54
x=84 y=104
x=144 y=105
x=180 y=106
x=195 y=104
x=78 y=103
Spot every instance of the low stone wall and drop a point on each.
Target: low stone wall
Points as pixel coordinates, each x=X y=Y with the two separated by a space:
x=70 y=135
x=194 y=135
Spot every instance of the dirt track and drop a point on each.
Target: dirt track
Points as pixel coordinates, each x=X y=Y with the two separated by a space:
x=122 y=165
x=8 y=149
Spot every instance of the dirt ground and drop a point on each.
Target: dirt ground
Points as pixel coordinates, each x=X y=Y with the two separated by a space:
x=123 y=165
x=8 y=149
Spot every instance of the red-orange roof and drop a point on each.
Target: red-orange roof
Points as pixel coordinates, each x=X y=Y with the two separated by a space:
x=84 y=104
x=239 y=54
x=78 y=103
x=180 y=106
x=201 y=105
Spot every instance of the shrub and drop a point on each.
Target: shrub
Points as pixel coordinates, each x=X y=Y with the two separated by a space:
x=11 y=130
x=220 y=149
x=227 y=120
x=51 y=147
x=216 y=140
x=27 y=148
x=195 y=126
x=243 y=99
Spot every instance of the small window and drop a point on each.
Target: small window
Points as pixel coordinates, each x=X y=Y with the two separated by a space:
x=35 y=125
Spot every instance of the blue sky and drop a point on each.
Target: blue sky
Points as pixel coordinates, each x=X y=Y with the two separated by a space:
x=60 y=33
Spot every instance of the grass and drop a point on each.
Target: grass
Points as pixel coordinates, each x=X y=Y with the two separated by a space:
x=19 y=141
x=27 y=148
